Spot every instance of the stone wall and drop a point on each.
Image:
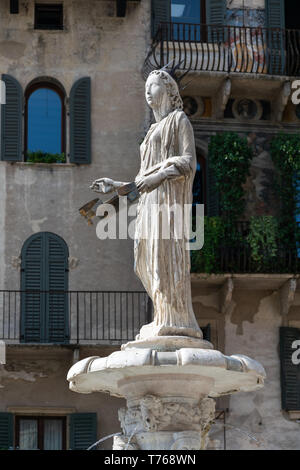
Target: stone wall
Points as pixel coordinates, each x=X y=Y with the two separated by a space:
x=34 y=382
x=36 y=198
x=251 y=326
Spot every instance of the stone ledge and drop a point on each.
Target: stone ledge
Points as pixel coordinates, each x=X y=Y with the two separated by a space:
x=43 y=165
x=224 y=374
x=41 y=410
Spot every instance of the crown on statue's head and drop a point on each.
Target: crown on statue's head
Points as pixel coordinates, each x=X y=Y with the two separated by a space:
x=172 y=72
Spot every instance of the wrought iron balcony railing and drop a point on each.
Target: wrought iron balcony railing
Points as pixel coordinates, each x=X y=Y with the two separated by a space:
x=237 y=257
x=72 y=317
x=242 y=49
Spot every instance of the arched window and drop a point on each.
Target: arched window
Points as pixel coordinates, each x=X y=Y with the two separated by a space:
x=44 y=120
x=44 y=282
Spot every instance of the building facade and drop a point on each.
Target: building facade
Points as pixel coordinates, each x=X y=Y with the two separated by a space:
x=75 y=111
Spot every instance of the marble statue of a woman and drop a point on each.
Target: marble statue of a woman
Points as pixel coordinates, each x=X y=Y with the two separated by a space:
x=165 y=179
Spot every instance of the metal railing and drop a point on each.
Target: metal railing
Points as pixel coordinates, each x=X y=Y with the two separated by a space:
x=72 y=317
x=201 y=47
x=237 y=258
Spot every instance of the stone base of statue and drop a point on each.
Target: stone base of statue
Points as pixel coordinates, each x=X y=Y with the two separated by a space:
x=169 y=389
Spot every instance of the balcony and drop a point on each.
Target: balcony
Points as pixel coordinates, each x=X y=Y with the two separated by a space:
x=229 y=49
x=72 y=317
x=237 y=257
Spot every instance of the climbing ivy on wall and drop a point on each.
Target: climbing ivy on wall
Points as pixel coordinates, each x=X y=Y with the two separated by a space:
x=230 y=157
x=229 y=160
x=285 y=153
x=207 y=260
x=264 y=243
x=262 y=239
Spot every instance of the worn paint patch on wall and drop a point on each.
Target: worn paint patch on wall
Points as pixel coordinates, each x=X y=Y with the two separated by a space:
x=259 y=187
x=246 y=307
x=246 y=17
x=18 y=372
x=256 y=418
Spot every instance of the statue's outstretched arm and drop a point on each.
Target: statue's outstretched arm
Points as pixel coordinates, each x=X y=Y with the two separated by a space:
x=106 y=185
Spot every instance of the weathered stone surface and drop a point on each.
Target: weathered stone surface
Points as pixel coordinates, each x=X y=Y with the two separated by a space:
x=154 y=424
x=216 y=373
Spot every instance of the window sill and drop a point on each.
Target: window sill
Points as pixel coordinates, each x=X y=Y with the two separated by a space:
x=294 y=415
x=44 y=30
x=44 y=165
x=37 y=411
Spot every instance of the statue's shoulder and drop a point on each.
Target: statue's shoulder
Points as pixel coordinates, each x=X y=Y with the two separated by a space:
x=182 y=118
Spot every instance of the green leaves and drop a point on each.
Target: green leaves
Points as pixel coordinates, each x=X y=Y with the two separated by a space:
x=206 y=260
x=43 y=157
x=285 y=153
x=230 y=157
x=262 y=240
x=267 y=243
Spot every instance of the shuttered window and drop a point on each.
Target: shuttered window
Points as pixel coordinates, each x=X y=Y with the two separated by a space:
x=215 y=12
x=80 y=121
x=276 y=24
x=212 y=193
x=83 y=430
x=11 y=121
x=6 y=431
x=215 y=19
x=290 y=371
x=44 y=268
x=161 y=12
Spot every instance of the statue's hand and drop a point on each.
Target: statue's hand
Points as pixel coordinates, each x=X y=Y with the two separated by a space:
x=103 y=185
x=148 y=183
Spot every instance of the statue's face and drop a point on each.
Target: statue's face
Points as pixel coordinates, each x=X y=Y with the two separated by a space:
x=155 y=91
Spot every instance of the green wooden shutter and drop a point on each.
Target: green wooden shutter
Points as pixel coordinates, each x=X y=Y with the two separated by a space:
x=275 y=19
x=32 y=303
x=212 y=193
x=56 y=280
x=44 y=268
x=215 y=11
x=11 y=121
x=83 y=430
x=161 y=12
x=6 y=431
x=215 y=16
x=80 y=121
x=290 y=373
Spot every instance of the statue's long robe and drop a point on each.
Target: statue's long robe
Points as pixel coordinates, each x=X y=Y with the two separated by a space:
x=163 y=265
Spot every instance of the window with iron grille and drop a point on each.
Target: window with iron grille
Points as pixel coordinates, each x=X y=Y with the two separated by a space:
x=48 y=16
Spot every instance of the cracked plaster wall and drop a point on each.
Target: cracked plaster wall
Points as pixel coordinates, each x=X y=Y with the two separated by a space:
x=251 y=327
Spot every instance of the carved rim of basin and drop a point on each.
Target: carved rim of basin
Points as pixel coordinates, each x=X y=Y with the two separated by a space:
x=218 y=374
x=168 y=343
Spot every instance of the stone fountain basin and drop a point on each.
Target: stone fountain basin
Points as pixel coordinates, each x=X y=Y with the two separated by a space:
x=145 y=370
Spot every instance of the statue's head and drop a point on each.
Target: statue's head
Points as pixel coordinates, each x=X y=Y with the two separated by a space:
x=161 y=89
